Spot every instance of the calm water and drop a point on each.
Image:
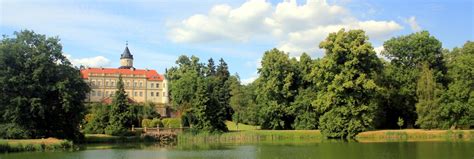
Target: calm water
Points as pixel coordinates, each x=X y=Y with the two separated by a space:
x=326 y=150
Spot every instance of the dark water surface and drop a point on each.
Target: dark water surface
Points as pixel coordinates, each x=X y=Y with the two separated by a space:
x=323 y=150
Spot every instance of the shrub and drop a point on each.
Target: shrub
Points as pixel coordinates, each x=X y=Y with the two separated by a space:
x=146 y=123
x=97 y=120
x=171 y=122
x=151 y=123
x=156 y=122
x=13 y=131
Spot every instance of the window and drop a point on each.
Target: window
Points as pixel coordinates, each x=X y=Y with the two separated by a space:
x=151 y=94
x=136 y=93
x=99 y=93
x=151 y=85
x=158 y=85
x=98 y=83
x=157 y=94
x=134 y=84
x=141 y=94
x=128 y=83
x=93 y=83
x=93 y=93
x=112 y=83
x=140 y=85
x=106 y=83
x=106 y=93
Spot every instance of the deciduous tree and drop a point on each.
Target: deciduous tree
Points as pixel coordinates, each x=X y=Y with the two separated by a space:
x=41 y=93
x=346 y=76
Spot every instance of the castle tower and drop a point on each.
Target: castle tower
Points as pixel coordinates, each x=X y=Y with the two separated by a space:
x=126 y=59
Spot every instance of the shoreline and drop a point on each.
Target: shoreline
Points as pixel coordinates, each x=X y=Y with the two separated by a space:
x=239 y=137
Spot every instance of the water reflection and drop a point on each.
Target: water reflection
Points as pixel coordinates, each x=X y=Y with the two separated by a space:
x=331 y=149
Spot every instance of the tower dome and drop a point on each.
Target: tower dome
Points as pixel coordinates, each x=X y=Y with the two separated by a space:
x=126 y=59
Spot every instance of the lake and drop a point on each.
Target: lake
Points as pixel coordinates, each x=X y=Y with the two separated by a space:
x=320 y=149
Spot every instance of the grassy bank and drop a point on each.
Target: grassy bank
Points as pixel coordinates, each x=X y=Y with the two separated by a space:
x=49 y=144
x=251 y=134
x=415 y=135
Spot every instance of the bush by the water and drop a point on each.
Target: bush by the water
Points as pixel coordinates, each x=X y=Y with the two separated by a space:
x=97 y=119
x=151 y=123
x=171 y=122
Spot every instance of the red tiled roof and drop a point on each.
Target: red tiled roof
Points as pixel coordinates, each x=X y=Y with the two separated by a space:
x=151 y=75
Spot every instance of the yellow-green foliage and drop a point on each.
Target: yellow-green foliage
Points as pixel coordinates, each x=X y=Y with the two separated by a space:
x=151 y=123
x=171 y=122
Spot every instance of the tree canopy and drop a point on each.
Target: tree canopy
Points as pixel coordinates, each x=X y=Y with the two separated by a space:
x=347 y=78
x=41 y=93
x=200 y=93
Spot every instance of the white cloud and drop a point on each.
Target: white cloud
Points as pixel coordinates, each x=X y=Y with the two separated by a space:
x=249 y=80
x=379 y=49
x=223 y=22
x=97 y=61
x=296 y=27
x=413 y=24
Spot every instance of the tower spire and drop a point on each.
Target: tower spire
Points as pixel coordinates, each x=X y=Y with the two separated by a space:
x=126 y=58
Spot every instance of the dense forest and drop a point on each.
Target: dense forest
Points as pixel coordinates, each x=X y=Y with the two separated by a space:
x=416 y=84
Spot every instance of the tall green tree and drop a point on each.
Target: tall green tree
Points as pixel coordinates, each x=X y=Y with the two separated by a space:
x=119 y=115
x=427 y=92
x=200 y=93
x=457 y=103
x=406 y=54
x=41 y=94
x=347 y=78
x=243 y=103
x=222 y=88
x=182 y=81
x=304 y=111
x=276 y=88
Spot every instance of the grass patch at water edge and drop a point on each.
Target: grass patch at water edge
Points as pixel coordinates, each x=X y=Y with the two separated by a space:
x=49 y=144
x=251 y=136
x=415 y=135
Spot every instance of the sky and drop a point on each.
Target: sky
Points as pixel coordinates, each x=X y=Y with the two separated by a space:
x=94 y=33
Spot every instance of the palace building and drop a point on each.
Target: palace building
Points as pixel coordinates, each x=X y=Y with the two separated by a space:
x=141 y=85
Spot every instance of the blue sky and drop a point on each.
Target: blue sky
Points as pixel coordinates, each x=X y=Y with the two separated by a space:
x=158 y=31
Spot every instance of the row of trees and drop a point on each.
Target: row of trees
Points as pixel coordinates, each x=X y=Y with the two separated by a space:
x=348 y=91
x=351 y=90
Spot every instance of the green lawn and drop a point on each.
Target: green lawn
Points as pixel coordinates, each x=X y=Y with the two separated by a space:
x=233 y=127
